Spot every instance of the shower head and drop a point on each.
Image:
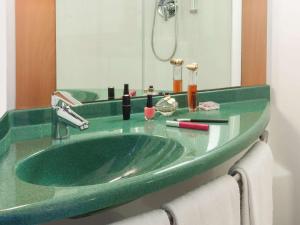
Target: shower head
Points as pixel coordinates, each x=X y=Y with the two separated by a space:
x=167 y=8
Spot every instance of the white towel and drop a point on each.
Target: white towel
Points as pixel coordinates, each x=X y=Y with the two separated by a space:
x=157 y=217
x=257 y=178
x=216 y=203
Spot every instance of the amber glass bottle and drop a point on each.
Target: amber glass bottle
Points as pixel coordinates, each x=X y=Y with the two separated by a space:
x=192 y=87
x=177 y=75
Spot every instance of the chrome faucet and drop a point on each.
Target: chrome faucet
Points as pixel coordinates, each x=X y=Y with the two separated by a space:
x=63 y=116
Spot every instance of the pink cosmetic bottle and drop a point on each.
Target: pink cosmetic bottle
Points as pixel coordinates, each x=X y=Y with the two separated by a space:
x=149 y=110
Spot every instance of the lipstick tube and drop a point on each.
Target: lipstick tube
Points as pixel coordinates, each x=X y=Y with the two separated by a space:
x=202 y=120
x=126 y=107
x=188 y=125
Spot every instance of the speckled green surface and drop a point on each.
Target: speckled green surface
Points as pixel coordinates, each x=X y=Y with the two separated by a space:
x=25 y=133
x=99 y=160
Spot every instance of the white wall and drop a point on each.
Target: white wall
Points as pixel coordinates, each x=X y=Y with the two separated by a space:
x=3 y=57
x=11 y=55
x=108 y=43
x=99 y=43
x=284 y=78
x=7 y=56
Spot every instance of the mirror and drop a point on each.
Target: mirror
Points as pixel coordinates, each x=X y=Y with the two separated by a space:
x=108 y=43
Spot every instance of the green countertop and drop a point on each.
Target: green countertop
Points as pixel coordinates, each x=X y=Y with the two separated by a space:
x=24 y=133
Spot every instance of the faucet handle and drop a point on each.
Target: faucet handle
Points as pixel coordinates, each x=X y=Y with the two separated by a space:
x=75 y=119
x=65 y=97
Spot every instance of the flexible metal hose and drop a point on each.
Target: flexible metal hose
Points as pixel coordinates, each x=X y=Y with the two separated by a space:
x=153 y=34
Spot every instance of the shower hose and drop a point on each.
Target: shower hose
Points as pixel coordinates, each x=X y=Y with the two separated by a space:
x=153 y=34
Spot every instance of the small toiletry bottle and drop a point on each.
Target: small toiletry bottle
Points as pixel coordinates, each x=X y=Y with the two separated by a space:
x=167 y=105
x=192 y=88
x=111 y=93
x=177 y=74
x=126 y=107
x=149 y=110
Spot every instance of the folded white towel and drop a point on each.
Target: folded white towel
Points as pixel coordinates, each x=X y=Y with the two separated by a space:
x=216 y=203
x=157 y=217
x=257 y=176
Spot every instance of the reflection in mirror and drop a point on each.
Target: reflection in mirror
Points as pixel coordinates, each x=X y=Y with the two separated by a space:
x=104 y=43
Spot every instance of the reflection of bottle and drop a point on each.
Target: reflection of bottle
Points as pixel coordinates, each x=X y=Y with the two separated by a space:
x=150 y=91
x=149 y=127
x=177 y=75
x=111 y=93
x=126 y=89
x=132 y=93
x=192 y=88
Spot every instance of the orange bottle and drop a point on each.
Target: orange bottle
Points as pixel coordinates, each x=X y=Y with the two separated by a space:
x=192 y=88
x=177 y=74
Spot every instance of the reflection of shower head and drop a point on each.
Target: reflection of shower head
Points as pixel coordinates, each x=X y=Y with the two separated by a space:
x=167 y=8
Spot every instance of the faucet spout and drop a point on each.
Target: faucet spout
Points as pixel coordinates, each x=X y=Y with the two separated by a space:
x=63 y=116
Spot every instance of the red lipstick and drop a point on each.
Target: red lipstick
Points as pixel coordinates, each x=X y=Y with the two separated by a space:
x=188 y=125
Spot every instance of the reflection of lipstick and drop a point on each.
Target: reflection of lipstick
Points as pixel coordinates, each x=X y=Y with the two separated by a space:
x=188 y=125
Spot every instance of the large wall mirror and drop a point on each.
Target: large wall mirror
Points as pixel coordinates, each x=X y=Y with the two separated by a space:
x=103 y=43
x=86 y=46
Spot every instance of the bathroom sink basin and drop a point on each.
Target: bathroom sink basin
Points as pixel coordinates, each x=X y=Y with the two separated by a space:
x=97 y=161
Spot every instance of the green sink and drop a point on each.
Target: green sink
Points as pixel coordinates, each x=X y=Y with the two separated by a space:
x=97 y=161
